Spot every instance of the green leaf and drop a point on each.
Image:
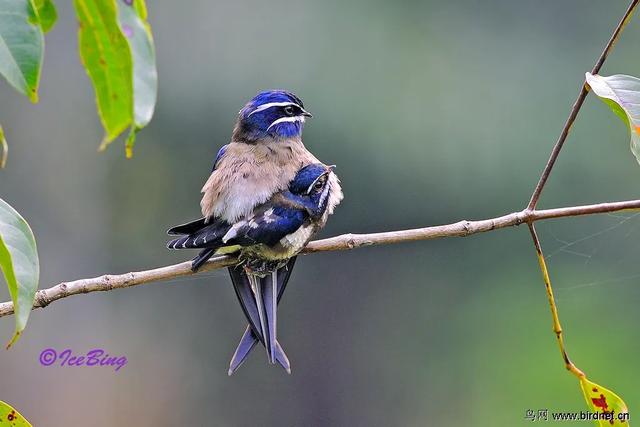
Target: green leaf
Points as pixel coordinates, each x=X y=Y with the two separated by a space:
x=19 y=263
x=21 y=46
x=46 y=13
x=117 y=51
x=141 y=9
x=105 y=55
x=4 y=149
x=145 y=77
x=11 y=417
x=622 y=94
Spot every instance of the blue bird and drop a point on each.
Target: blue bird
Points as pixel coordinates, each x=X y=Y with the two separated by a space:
x=255 y=203
x=265 y=153
x=267 y=242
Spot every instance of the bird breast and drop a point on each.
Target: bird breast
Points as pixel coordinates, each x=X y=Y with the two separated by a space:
x=249 y=174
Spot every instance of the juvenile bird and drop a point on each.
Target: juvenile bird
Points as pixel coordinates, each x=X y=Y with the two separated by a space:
x=267 y=242
x=260 y=165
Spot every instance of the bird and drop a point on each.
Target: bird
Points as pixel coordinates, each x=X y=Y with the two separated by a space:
x=264 y=154
x=261 y=164
x=267 y=243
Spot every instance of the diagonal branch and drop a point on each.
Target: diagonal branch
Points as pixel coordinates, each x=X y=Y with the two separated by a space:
x=343 y=242
x=576 y=107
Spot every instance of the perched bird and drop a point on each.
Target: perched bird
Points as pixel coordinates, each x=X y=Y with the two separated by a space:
x=265 y=152
x=266 y=197
x=267 y=242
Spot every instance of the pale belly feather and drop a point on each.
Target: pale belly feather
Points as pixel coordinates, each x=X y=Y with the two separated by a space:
x=248 y=175
x=289 y=246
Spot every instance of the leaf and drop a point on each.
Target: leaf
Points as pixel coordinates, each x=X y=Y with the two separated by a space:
x=21 y=46
x=131 y=140
x=622 y=94
x=141 y=9
x=11 y=417
x=116 y=48
x=105 y=55
x=145 y=77
x=601 y=400
x=4 y=149
x=19 y=263
x=46 y=13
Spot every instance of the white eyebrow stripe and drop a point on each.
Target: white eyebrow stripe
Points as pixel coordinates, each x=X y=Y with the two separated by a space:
x=313 y=183
x=286 y=119
x=272 y=104
x=326 y=190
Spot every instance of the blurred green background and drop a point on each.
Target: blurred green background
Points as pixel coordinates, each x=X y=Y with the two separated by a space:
x=433 y=112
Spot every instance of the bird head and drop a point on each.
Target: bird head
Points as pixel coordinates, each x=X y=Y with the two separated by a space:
x=275 y=114
x=313 y=184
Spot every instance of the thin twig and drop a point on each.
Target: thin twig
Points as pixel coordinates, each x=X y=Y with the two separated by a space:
x=576 y=107
x=557 y=328
x=343 y=242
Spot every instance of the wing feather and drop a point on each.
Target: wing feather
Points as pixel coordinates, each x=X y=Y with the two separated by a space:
x=266 y=227
x=209 y=236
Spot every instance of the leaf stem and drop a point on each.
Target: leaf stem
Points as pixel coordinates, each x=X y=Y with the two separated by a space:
x=557 y=328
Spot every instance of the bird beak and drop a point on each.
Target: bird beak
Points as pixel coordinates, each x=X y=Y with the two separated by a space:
x=306 y=113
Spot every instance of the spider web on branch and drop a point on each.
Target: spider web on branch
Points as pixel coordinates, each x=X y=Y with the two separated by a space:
x=591 y=252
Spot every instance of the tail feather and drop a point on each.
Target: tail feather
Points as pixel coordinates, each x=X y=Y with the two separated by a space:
x=269 y=294
x=282 y=359
x=247 y=342
x=201 y=258
x=257 y=285
x=242 y=286
x=250 y=306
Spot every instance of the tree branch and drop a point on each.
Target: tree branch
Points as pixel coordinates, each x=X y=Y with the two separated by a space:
x=463 y=228
x=576 y=107
x=557 y=327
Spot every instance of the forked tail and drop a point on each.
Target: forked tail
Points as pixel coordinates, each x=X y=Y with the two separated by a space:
x=259 y=297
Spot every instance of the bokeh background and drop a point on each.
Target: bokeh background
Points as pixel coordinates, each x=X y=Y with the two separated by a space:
x=433 y=111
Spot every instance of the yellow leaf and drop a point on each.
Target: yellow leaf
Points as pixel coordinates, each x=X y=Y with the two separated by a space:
x=11 y=417
x=610 y=407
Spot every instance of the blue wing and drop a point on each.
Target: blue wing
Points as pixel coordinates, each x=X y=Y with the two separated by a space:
x=267 y=227
x=219 y=156
x=188 y=228
x=209 y=236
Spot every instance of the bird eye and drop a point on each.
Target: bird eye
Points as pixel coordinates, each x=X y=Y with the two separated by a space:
x=288 y=110
x=318 y=185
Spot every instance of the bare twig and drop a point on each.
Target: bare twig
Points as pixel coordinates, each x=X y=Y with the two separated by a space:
x=576 y=107
x=344 y=242
x=557 y=328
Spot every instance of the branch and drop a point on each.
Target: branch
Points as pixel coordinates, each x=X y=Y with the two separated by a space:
x=463 y=228
x=576 y=107
x=557 y=328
